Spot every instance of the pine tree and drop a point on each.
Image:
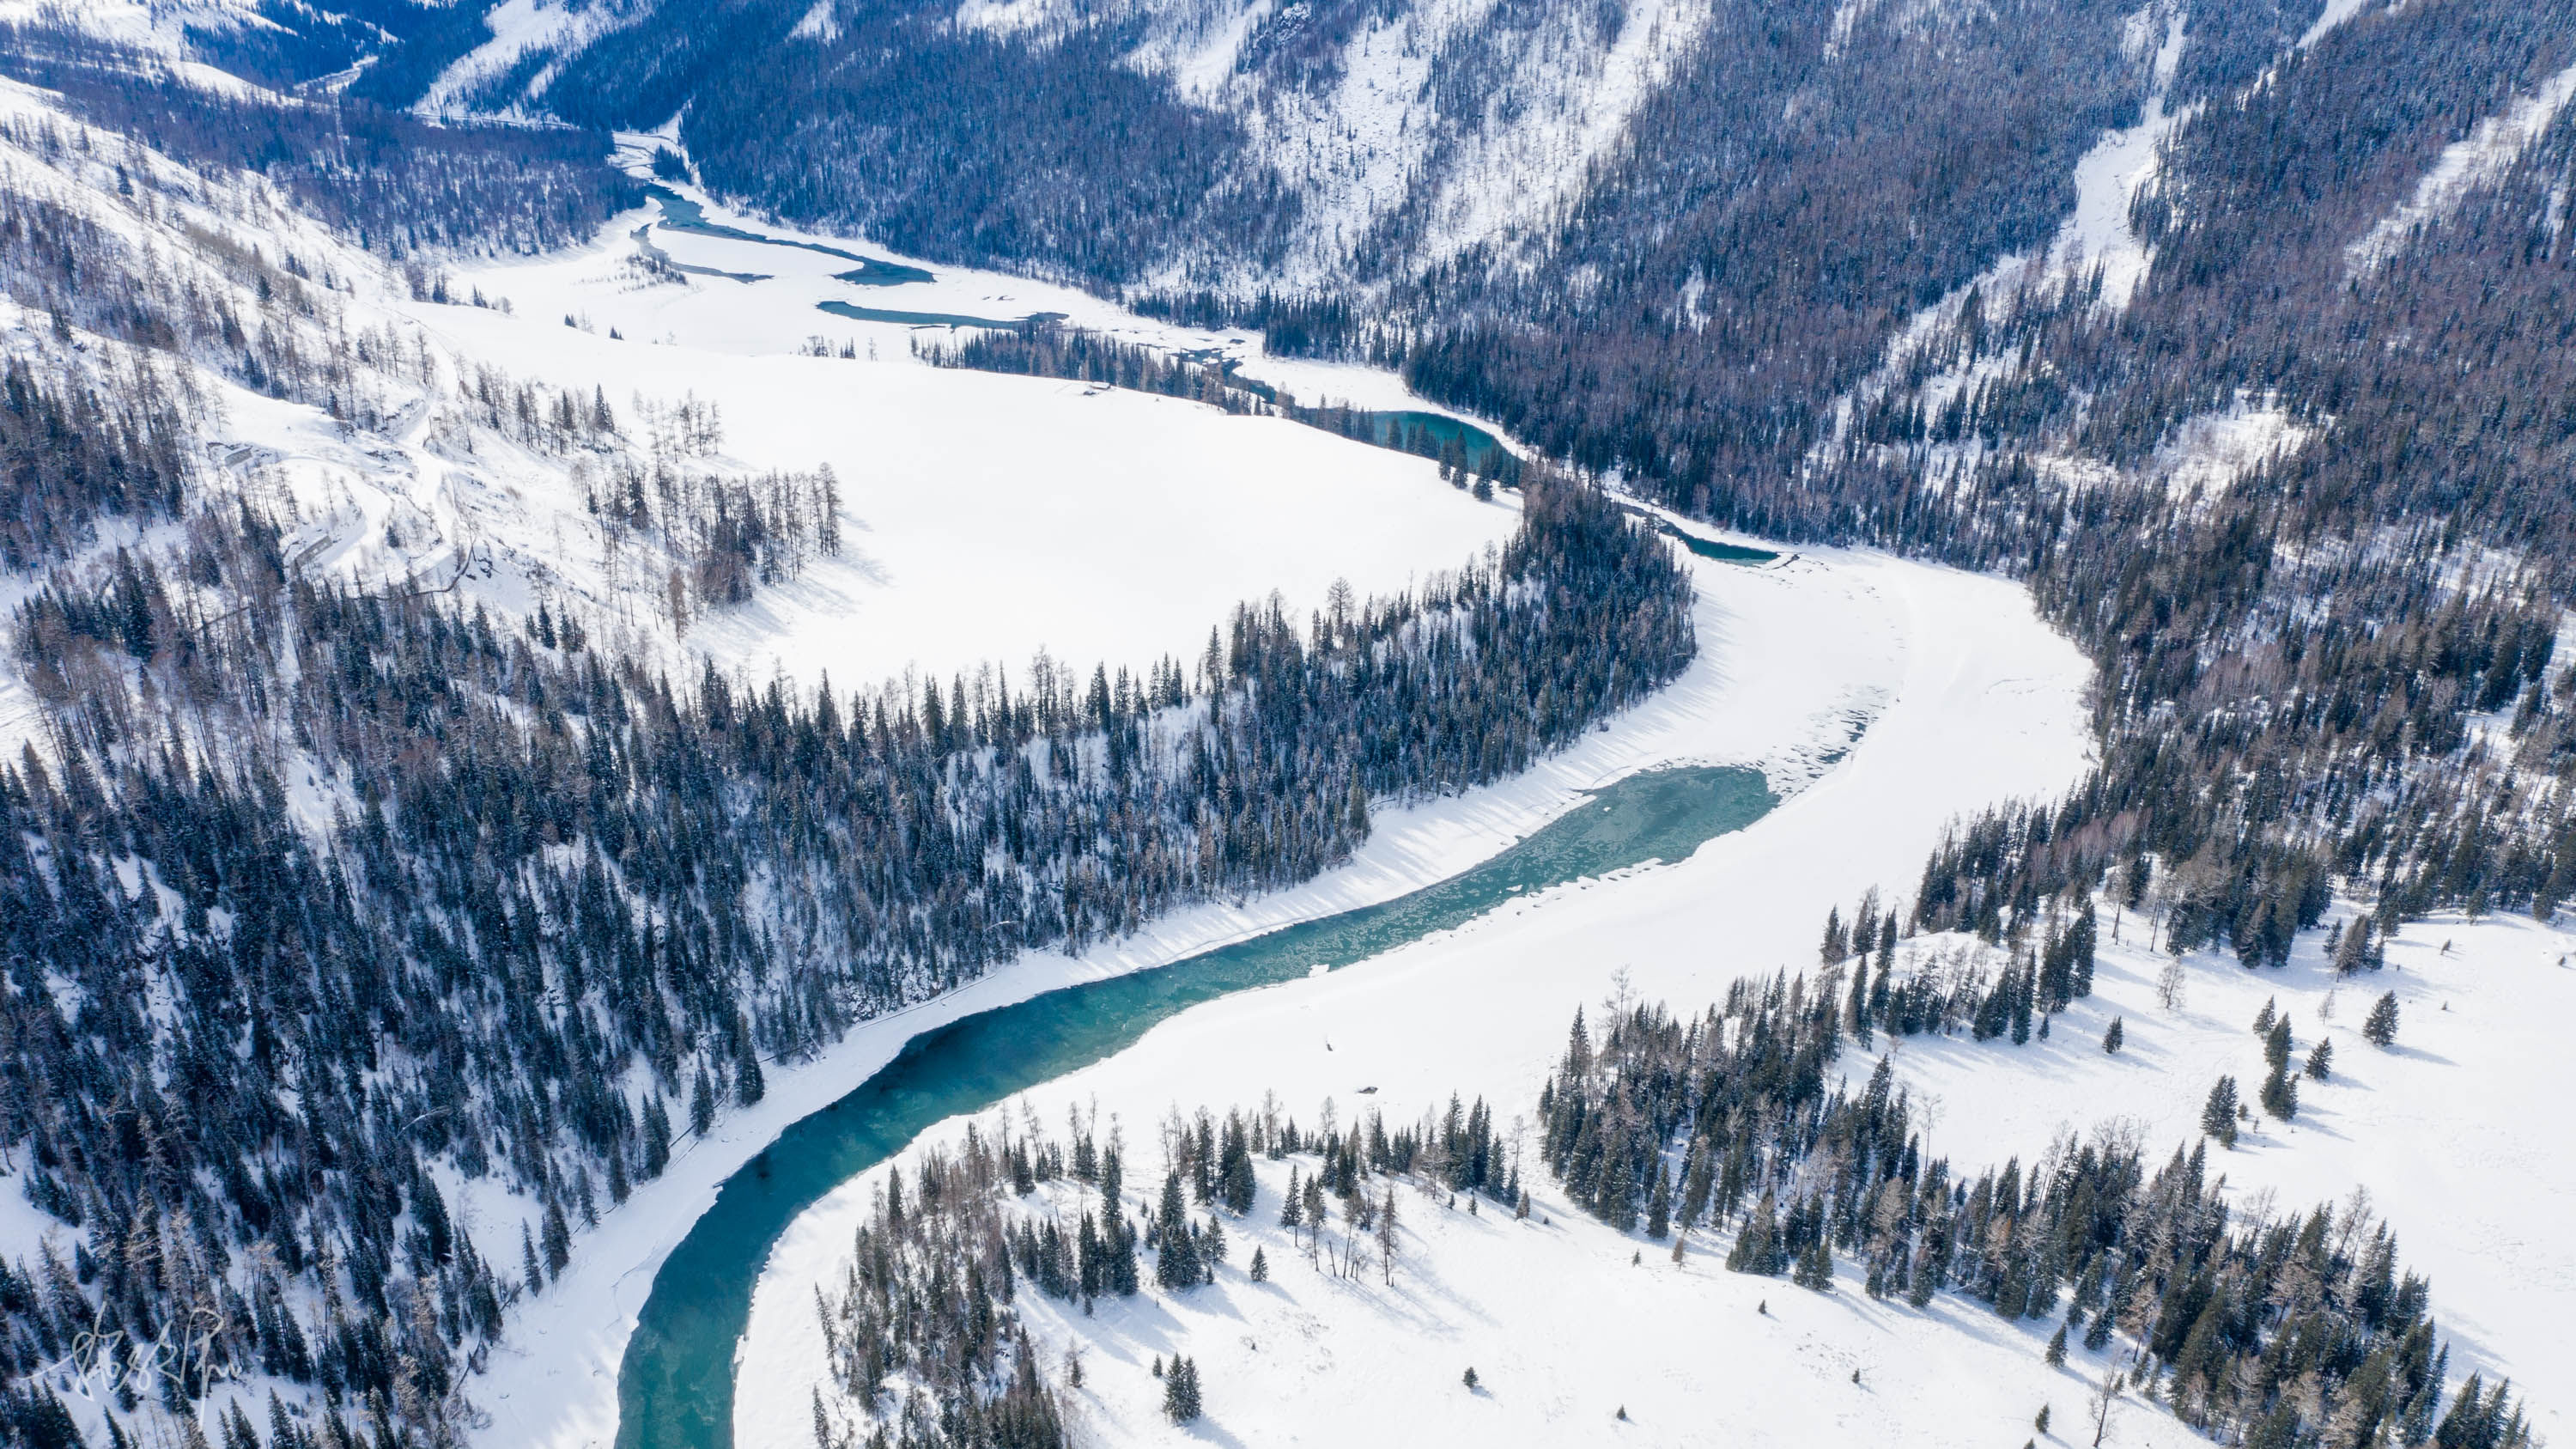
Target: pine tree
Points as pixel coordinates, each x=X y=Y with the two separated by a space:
x=1260 y=1266
x=2083 y=948
x=1756 y=1248
x=2114 y=1036
x=2263 y=1019
x=558 y=1240
x=2056 y=1358
x=2281 y=1092
x=702 y=1103
x=1469 y=1378
x=2380 y=1027
x=1180 y=1390
x=2321 y=1060
x=1176 y=1261
x=1815 y=1267
x=2218 y=1117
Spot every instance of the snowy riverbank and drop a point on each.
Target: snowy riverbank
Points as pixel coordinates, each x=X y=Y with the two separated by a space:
x=1970 y=700
x=1793 y=658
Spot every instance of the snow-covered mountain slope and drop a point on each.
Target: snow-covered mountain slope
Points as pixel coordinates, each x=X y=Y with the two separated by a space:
x=1967 y=698
x=1483 y=116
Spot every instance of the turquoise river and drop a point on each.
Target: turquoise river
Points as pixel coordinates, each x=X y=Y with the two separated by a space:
x=676 y=1385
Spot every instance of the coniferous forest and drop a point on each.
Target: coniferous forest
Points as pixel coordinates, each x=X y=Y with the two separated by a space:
x=582 y=903
x=321 y=899
x=2274 y=1331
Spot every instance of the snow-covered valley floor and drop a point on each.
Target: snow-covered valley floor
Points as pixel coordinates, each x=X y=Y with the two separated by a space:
x=1968 y=700
x=1568 y=1322
x=985 y=517
x=1962 y=692
x=1567 y=1328
x=1565 y=1331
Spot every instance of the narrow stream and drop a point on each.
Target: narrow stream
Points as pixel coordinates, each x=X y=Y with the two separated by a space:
x=676 y=1385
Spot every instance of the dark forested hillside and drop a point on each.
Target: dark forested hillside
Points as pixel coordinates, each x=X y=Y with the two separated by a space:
x=936 y=140
x=397 y=184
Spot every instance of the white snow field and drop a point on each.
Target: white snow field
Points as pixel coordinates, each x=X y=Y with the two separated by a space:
x=1968 y=700
x=1941 y=666
x=985 y=517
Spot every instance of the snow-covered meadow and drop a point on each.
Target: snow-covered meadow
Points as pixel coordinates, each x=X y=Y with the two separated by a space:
x=1568 y=1323
x=984 y=517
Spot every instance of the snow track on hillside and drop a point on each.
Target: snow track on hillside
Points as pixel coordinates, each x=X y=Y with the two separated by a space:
x=2475 y=160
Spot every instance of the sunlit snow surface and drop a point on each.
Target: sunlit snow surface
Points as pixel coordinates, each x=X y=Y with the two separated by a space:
x=986 y=517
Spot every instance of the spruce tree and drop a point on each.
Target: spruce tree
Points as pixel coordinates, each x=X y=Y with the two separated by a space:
x=702 y=1103
x=1815 y=1268
x=2380 y=1027
x=1180 y=1390
x=2218 y=1116
x=2114 y=1036
x=1176 y=1262
x=2321 y=1060
x=2281 y=1092
x=558 y=1240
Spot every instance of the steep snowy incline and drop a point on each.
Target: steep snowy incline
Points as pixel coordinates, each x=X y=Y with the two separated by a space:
x=2476 y=159
x=1363 y=111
